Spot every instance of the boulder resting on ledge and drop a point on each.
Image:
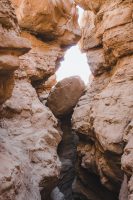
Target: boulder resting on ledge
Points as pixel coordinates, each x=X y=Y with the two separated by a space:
x=65 y=95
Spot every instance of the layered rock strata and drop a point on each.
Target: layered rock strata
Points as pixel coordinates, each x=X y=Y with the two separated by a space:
x=29 y=133
x=103 y=116
x=50 y=20
x=11 y=47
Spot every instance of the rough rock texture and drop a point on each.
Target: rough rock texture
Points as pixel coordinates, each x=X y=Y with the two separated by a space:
x=93 y=5
x=67 y=154
x=29 y=138
x=51 y=27
x=49 y=19
x=11 y=46
x=41 y=62
x=103 y=116
x=65 y=95
x=29 y=133
x=44 y=89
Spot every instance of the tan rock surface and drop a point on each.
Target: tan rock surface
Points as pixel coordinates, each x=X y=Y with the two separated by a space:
x=103 y=116
x=44 y=89
x=29 y=161
x=65 y=95
x=29 y=135
x=51 y=19
x=90 y=4
x=11 y=46
x=41 y=61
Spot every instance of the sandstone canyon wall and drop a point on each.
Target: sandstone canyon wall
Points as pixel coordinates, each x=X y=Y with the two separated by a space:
x=11 y=47
x=29 y=132
x=34 y=35
x=103 y=116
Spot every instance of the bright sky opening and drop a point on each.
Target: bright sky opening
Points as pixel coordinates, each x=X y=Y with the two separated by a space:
x=75 y=62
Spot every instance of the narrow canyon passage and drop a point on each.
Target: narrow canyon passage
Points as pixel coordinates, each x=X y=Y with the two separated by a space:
x=67 y=154
x=75 y=182
x=59 y=138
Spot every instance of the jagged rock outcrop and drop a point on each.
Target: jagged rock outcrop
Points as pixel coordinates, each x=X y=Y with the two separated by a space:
x=49 y=19
x=51 y=27
x=93 y=5
x=65 y=95
x=11 y=46
x=44 y=89
x=103 y=116
x=29 y=133
x=29 y=138
x=28 y=130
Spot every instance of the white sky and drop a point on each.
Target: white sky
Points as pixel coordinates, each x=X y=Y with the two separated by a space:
x=75 y=63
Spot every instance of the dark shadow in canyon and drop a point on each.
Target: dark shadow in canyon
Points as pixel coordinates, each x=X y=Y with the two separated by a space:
x=75 y=182
x=67 y=154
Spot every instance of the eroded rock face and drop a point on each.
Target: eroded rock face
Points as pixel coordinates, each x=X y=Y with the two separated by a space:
x=29 y=132
x=51 y=27
x=11 y=47
x=103 y=116
x=41 y=61
x=65 y=95
x=29 y=139
x=50 y=19
x=44 y=89
x=93 y=5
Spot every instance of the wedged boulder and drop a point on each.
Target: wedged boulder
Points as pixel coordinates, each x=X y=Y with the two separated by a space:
x=65 y=95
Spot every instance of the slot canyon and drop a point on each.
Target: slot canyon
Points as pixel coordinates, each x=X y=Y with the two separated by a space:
x=65 y=140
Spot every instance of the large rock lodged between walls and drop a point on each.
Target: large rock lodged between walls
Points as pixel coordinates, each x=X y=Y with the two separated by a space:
x=65 y=95
x=103 y=116
x=29 y=133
